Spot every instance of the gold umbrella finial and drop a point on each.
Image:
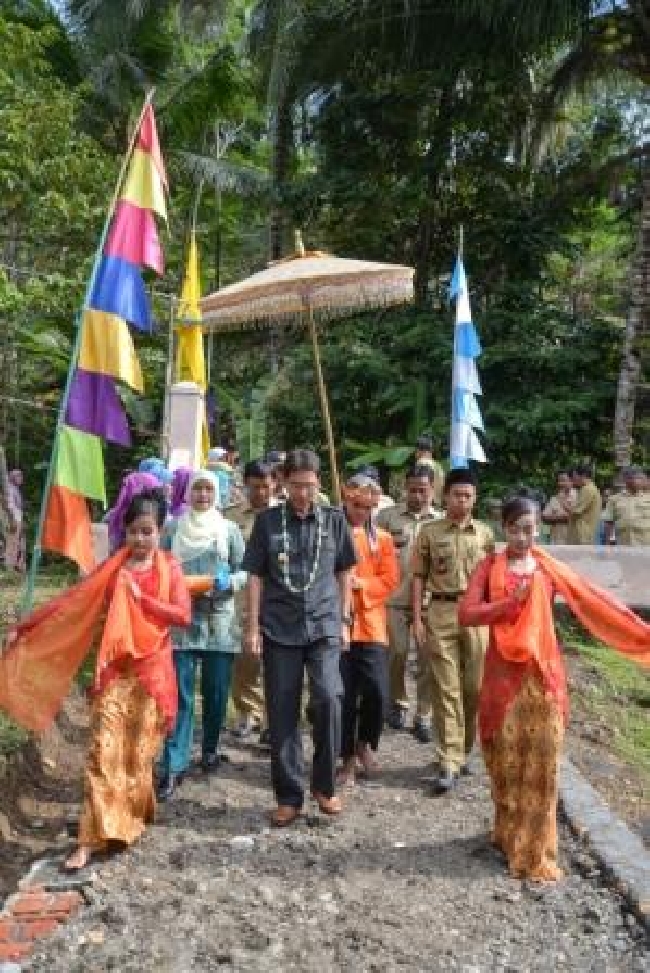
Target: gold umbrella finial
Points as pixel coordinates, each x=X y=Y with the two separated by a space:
x=299 y=245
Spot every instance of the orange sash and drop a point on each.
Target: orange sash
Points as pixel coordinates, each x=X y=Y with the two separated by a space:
x=128 y=633
x=45 y=651
x=532 y=635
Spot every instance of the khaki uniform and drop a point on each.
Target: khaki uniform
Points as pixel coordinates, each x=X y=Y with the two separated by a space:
x=584 y=515
x=404 y=527
x=247 y=690
x=559 y=533
x=445 y=556
x=630 y=514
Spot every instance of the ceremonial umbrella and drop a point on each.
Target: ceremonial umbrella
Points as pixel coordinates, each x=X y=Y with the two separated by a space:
x=308 y=288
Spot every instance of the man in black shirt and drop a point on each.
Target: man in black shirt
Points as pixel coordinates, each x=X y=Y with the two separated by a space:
x=298 y=615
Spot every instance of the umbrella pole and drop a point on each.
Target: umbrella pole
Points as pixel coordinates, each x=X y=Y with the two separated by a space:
x=324 y=404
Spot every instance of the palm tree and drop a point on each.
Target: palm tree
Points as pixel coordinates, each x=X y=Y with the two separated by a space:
x=604 y=40
x=122 y=49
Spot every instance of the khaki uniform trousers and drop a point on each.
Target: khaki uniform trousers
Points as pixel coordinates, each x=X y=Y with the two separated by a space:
x=457 y=669
x=399 y=639
x=247 y=691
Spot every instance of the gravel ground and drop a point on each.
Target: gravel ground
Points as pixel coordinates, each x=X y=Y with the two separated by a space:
x=401 y=881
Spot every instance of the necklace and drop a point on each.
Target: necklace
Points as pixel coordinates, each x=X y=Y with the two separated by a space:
x=284 y=557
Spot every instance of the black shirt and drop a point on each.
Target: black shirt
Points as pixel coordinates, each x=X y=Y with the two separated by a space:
x=299 y=617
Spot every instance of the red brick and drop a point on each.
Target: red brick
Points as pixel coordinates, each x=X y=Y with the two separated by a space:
x=63 y=904
x=31 y=904
x=7 y=930
x=37 y=928
x=14 y=951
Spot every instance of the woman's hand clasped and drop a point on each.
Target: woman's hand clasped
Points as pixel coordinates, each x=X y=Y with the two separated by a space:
x=135 y=589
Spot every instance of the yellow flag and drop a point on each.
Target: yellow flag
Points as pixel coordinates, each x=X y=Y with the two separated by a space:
x=107 y=347
x=143 y=186
x=190 y=357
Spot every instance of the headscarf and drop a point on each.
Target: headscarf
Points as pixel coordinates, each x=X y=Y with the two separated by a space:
x=362 y=487
x=132 y=486
x=157 y=468
x=200 y=531
x=180 y=491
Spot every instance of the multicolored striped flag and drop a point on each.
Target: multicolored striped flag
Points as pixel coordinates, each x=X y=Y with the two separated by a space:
x=116 y=301
x=465 y=412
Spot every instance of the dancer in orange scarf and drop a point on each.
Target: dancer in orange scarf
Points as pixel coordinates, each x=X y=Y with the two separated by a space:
x=137 y=596
x=523 y=706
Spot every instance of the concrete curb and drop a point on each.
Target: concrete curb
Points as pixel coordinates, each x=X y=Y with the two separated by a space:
x=621 y=853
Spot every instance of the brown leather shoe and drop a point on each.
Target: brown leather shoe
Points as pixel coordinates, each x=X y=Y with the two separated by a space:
x=328 y=805
x=284 y=815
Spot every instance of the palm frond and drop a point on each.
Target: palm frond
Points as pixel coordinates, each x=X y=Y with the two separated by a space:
x=225 y=175
x=586 y=64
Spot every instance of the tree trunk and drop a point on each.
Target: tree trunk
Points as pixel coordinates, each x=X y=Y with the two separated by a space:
x=283 y=151
x=636 y=346
x=436 y=161
x=8 y=339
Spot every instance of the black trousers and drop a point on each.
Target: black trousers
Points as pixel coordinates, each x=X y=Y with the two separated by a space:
x=284 y=667
x=364 y=670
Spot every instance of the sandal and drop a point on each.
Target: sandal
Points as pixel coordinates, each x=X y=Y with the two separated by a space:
x=79 y=858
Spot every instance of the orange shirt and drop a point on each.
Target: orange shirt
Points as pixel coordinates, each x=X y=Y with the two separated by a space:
x=378 y=572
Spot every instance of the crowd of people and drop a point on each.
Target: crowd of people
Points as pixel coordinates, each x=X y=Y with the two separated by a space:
x=262 y=583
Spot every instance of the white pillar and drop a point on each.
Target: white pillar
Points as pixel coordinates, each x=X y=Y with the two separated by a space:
x=186 y=411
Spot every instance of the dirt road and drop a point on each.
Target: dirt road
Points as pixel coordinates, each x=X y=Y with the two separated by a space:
x=401 y=881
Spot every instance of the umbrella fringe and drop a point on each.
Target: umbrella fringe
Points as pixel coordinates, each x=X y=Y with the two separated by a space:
x=262 y=316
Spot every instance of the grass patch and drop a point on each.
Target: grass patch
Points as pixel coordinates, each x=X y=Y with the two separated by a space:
x=12 y=737
x=618 y=694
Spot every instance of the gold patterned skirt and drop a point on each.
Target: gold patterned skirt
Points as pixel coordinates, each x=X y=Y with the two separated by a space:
x=127 y=730
x=522 y=761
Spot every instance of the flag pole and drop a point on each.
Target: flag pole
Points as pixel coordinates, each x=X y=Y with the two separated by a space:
x=459 y=258
x=28 y=598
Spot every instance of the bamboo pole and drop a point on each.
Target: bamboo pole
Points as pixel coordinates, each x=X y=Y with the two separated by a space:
x=170 y=370
x=28 y=598
x=324 y=404
x=461 y=246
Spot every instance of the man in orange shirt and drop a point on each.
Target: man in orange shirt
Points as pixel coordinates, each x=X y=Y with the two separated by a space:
x=364 y=664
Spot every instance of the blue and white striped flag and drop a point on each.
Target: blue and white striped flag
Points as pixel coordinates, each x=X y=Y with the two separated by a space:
x=465 y=412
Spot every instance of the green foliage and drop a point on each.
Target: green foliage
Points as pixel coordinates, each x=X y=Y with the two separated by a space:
x=619 y=695
x=400 y=123
x=12 y=737
x=249 y=415
x=51 y=204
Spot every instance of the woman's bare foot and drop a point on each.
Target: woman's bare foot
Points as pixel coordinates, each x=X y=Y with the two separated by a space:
x=345 y=774
x=78 y=859
x=367 y=759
